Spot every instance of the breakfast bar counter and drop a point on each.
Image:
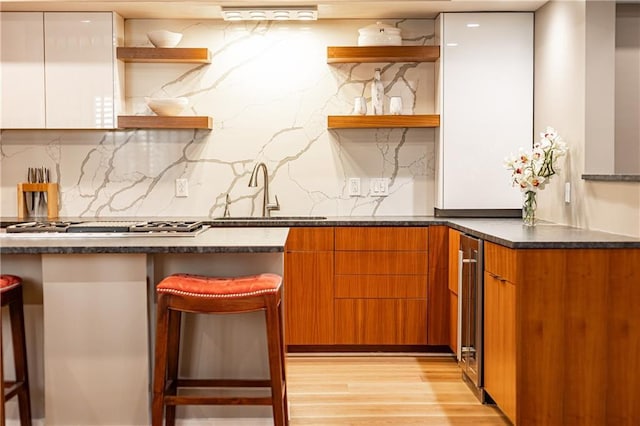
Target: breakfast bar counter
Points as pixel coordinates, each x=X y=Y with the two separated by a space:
x=212 y=240
x=90 y=308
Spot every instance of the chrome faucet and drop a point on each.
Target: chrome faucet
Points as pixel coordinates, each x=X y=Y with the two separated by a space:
x=253 y=182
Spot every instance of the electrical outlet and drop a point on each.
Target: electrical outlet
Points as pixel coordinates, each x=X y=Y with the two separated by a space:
x=182 y=187
x=354 y=187
x=379 y=187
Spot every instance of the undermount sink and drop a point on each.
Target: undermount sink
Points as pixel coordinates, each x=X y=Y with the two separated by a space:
x=271 y=219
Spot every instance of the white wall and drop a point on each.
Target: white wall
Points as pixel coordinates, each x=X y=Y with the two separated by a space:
x=269 y=90
x=627 y=92
x=559 y=101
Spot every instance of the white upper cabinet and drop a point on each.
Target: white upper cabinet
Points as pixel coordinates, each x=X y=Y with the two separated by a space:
x=78 y=85
x=22 y=70
x=485 y=91
x=79 y=70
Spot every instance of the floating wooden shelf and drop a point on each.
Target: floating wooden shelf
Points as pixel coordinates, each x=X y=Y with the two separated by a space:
x=194 y=55
x=163 y=122
x=381 y=121
x=352 y=54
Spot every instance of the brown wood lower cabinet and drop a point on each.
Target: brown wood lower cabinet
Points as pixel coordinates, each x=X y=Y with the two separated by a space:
x=452 y=281
x=499 y=342
x=561 y=335
x=438 y=300
x=453 y=322
x=308 y=287
x=366 y=286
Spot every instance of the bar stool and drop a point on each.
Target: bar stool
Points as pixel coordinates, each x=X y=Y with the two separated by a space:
x=11 y=296
x=211 y=295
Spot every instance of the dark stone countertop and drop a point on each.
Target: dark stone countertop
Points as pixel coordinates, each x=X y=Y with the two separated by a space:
x=545 y=235
x=507 y=232
x=212 y=240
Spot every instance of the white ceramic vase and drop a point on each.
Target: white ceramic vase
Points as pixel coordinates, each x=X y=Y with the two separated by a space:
x=377 y=94
x=359 y=106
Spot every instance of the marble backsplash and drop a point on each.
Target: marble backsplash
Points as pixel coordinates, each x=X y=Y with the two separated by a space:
x=269 y=91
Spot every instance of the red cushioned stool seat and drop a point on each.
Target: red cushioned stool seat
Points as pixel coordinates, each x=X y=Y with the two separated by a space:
x=11 y=296
x=216 y=295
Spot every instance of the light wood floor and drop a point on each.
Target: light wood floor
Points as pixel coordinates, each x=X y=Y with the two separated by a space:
x=382 y=390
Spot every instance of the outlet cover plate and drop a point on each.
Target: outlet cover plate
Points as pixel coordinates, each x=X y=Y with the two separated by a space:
x=182 y=187
x=354 y=187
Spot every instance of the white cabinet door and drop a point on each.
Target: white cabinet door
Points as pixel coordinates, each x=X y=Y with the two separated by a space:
x=22 y=70
x=486 y=106
x=79 y=70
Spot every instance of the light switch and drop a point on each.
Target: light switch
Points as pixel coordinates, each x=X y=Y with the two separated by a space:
x=379 y=187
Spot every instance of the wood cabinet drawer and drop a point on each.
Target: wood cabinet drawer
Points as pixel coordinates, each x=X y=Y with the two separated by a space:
x=381 y=321
x=381 y=238
x=381 y=262
x=500 y=261
x=381 y=286
x=310 y=239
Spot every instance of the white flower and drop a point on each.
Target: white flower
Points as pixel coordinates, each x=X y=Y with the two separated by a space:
x=531 y=170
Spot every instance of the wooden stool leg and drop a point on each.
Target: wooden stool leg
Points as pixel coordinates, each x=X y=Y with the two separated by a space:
x=285 y=400
x=275 y=361
x=173 y=361
x=2 y=401
x=160 y=361
x=20 y=357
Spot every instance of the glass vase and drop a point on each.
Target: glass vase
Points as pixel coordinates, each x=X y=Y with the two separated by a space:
x=529 y=208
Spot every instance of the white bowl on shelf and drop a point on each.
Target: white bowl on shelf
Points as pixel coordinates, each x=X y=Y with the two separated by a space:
x=167 y=106
x=379 y=34
x=164 y=38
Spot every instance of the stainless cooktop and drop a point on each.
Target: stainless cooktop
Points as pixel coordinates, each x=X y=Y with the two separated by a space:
x=137 y=228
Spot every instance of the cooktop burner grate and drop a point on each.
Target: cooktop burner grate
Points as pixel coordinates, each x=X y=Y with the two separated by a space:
x=59 y=226
x=166 y=225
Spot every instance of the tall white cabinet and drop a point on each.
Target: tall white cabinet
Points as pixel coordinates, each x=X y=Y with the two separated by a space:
x=485 y=100
x=59 y=70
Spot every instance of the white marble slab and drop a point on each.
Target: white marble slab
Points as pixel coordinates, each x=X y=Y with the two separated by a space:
x=269 y=91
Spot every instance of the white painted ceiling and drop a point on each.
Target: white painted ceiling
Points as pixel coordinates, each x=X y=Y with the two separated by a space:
x=327 y=9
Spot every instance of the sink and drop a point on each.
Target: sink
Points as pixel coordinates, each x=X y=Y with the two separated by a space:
x=271 y=219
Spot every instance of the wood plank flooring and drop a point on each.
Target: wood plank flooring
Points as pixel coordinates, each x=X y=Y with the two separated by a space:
x=382 y=390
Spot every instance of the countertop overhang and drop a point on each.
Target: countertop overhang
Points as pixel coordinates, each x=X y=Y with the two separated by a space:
x=212 y=240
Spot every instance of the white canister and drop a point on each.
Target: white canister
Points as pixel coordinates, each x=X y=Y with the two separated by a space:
x=379 y=34
x=395 y=105
x=359 y=105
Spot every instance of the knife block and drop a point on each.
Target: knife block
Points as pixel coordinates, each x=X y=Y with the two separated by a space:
x=25 y=190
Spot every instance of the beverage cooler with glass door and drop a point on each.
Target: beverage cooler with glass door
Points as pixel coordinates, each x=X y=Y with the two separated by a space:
x=470 y=311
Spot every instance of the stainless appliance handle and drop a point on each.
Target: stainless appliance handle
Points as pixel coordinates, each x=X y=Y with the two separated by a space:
x=469 y=260
x=461 y=260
